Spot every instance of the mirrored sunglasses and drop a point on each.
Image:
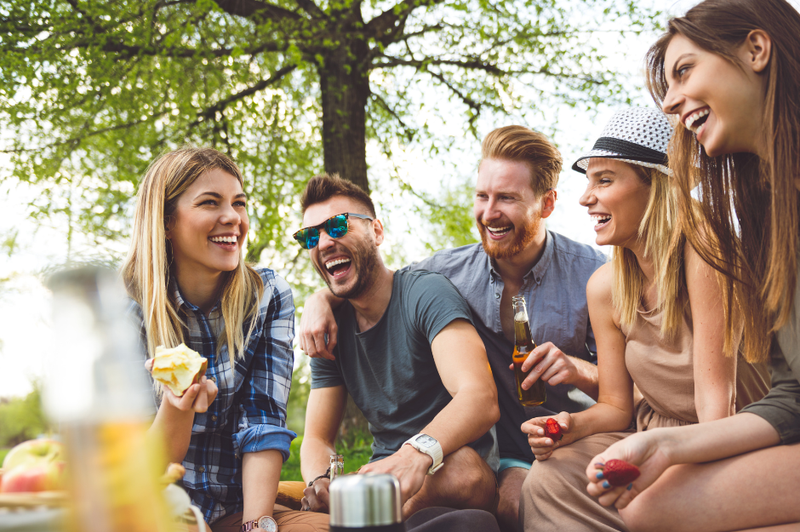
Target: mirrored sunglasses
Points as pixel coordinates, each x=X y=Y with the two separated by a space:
x=336 y=227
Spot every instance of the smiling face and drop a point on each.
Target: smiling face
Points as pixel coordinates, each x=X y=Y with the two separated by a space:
x=208 y=226
x=507 y=212
x=720 y=102
x=617 y=199
x=348 y=264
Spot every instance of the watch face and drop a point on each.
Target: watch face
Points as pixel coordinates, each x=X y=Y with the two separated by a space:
x=426 y=441
x=268 y=524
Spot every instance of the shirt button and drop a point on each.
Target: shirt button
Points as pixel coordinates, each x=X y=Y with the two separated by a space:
x=201 y=469
x=497 y=296
x=213 y=418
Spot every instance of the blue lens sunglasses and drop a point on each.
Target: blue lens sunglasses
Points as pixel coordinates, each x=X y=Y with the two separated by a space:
x=336 y=227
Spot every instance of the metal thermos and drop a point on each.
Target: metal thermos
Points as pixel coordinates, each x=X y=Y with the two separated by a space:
x=367 y=503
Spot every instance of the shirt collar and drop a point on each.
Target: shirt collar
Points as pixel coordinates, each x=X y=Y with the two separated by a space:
x=537 y=272
x=181 y=301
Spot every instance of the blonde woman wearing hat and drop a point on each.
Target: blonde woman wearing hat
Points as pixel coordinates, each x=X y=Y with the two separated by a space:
x=656 y=309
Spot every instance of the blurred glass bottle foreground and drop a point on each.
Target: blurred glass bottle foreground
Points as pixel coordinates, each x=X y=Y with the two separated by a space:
x=97 y=392
x=523 y=345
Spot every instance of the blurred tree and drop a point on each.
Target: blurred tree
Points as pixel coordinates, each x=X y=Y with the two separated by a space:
x=22 y=418
x=91 y=91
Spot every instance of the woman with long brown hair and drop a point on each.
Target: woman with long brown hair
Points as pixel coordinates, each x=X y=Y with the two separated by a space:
x=730 y=72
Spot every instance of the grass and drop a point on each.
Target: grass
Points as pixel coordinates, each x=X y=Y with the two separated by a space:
x=356 y=453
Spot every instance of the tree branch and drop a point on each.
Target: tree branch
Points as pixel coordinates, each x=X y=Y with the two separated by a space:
x=384 y=27
x=261 y=85
x=256 y=9
x=409 y=132
x=131 y=51
x=311 y=8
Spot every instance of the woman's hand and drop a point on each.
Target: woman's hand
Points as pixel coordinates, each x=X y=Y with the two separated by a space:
x=644 y=450
x=543 y=446
x=195 y=399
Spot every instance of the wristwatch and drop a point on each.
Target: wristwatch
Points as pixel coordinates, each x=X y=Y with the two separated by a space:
x=264 y=522
x=428 y=445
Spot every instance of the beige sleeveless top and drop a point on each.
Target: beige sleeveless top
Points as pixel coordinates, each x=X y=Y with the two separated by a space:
x=664 y=373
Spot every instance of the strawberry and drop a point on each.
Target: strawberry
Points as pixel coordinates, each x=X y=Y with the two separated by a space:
x=552 y=429
x=619 y=472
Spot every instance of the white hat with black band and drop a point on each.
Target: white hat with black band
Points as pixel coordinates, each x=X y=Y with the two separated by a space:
x=635 y=135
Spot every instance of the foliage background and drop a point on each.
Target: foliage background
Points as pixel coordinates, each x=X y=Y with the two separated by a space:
x=81 y=116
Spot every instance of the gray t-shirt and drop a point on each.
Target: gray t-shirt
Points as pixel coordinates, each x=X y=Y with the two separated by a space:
x=389 y=369
x=555 y=294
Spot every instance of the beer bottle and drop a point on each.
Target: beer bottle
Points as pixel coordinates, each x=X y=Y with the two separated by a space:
x=523 y=345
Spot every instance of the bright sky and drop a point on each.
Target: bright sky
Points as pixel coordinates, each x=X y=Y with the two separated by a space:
x=24 y=303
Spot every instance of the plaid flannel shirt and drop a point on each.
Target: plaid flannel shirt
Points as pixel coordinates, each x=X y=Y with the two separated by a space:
x=249 y=412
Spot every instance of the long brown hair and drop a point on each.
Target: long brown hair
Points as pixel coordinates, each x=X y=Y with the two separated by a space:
x=749 y=207
x=147 y=271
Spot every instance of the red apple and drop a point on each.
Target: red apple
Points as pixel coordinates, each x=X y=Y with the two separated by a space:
x=34 y=465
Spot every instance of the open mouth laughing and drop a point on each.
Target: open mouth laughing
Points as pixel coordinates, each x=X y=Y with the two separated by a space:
x=227 y=242
x=499 y=232
x=600 y=220
x=338 y=266
x=695 y=120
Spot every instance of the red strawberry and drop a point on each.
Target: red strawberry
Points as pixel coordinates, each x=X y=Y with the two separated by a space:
x=552 y=429
x=619 y=472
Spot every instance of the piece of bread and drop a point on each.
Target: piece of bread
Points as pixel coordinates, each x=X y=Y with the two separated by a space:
x=178 y=368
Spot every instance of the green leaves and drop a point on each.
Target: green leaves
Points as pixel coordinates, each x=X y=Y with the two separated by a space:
x=91 y=92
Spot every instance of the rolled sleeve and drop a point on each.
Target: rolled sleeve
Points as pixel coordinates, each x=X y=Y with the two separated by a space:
x=781 y=406
x=264 y=438
x=265 y=391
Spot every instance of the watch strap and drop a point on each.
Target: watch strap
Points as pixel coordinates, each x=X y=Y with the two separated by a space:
x=435 y=451
x=254 y=524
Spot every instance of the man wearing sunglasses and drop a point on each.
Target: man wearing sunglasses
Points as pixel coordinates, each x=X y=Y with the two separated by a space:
x=409 y=356
x=514 y=194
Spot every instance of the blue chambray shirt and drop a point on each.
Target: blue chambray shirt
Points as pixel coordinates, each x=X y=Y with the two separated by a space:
x=555 y=295
x=249 y=412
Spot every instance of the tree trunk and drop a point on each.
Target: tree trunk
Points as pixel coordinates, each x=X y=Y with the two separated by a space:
x=344 y=80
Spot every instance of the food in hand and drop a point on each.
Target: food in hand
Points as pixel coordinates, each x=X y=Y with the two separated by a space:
x=619 y=472
x=34 y=465
x=178 y=368
x=552 y=429
x=174 y=473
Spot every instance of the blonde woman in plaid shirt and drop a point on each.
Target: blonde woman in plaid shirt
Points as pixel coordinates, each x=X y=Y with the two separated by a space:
x=187 y=277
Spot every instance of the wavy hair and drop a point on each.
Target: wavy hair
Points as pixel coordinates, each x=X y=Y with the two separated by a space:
x=147 y=269
x=748 y=209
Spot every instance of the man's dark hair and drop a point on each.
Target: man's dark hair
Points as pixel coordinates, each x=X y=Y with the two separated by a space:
x=323 y=187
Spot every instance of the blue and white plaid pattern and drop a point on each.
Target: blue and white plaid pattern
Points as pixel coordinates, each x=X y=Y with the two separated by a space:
x=249 y=412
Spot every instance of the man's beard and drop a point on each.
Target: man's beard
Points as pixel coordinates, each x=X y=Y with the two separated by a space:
x=363 y=262
x=523 y=236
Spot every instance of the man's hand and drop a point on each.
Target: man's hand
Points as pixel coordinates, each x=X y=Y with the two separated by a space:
x=316 y=322
x=316 y=497
x=541 y=445
x=551 y=365
x=196 y=398
x=408 y=465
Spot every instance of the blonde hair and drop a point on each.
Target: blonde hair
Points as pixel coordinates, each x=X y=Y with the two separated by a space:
x=146 y=271
x=663 y=245
x=520 y=144
x=748 y=206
